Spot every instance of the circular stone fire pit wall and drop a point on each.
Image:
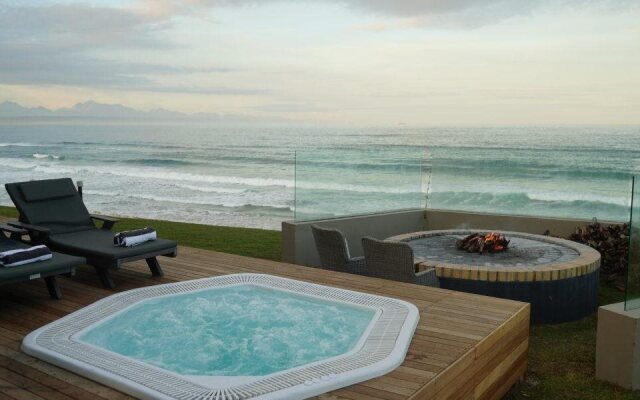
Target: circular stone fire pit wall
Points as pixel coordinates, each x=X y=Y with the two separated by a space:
x=558 y=277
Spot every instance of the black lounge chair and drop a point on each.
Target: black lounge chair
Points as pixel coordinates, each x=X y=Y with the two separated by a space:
x=59 y=264
x=54 y=214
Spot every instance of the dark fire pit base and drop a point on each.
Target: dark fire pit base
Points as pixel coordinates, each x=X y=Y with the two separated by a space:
x=551 y=302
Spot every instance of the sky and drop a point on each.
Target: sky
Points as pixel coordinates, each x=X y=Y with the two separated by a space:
x=366 y=62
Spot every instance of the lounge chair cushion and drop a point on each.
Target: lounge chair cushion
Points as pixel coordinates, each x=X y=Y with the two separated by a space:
x=48 y=189
x=52 y=203
x=59 y=264
x=96 y=243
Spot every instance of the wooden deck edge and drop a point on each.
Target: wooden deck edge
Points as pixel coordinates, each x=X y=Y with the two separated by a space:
x=513 y=373
x=521 y=318
x=488 y=364
x=493 y=384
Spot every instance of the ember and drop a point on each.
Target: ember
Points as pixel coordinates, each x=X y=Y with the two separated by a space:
x=491 y=242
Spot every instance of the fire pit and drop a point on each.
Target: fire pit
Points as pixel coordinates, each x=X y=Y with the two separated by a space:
x=558 y=277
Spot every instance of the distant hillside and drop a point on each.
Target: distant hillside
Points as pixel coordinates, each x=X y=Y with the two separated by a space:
x=9 y=109
x=92 y=109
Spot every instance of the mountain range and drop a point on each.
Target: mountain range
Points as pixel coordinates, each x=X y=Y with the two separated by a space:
x=92 y=109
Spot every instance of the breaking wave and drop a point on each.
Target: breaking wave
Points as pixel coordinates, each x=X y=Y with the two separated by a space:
x=47 y=156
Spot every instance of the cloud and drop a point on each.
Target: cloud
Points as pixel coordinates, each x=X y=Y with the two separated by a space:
x=60 y=44
x=413 y=8
x=402 y=14
x=78 y=25
x=405 y=8
x=48 y=66
x=78 y=44
x=56 y=44
x=407 y=14
x=452 y=14
x=220 y=90
x=431 y=11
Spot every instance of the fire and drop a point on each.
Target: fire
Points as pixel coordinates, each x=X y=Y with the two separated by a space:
x=495 y=241
x=491 y=242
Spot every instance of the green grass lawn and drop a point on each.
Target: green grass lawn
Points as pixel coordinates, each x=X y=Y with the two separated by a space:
x=561 y=357
x=562 y=361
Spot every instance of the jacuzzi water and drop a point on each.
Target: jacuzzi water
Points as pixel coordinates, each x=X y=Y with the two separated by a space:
x=230 y=337
x=241 y=330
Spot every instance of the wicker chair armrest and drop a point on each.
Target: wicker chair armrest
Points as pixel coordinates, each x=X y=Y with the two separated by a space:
x=357 y=266
x=427 y=277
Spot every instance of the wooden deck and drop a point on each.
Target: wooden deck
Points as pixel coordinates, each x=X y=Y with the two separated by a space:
x=465 y=346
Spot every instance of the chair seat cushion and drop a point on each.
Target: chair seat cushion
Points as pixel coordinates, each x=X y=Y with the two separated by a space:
x=98 y=243
x=59 y=264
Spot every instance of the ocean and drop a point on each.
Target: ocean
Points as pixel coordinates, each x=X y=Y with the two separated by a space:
x=245 y=174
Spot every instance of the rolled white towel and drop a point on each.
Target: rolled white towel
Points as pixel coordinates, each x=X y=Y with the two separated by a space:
x=17 y=257
x=134 y=237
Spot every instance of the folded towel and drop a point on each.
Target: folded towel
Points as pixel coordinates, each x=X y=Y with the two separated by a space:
x=134 y=237
x=14 y=258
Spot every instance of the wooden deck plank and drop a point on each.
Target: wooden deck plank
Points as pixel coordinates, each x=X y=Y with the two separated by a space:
x=465 y=346
x=32 y=386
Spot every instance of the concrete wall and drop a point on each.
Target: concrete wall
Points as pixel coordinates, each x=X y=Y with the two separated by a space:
x=445 y=219
x=298 y=246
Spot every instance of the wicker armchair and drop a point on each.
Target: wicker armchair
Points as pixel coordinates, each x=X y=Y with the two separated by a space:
x=334 y=251
x=394 y=261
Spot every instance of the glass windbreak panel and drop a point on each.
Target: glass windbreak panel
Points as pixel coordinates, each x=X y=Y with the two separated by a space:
x=331 y=183
x=632 y=292
x=550 y=182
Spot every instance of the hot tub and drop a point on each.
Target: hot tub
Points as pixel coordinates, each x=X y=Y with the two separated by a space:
x=230 y=337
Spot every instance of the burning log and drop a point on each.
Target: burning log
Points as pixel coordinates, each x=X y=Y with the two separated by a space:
x=491 y=242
